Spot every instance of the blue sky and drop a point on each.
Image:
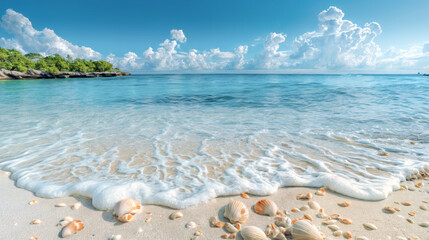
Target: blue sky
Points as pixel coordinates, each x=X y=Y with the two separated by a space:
x=113 y=27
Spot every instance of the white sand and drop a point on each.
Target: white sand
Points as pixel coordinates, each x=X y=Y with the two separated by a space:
x=16 y=215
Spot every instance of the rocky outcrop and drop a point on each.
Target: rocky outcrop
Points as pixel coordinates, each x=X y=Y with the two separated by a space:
x=37 y=74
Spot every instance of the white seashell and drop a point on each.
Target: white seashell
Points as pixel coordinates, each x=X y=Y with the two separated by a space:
x=176 y=215
x=68 y=219
x=333 y=227
x=127 y=206
x=76 y=206
x=115 y=237
x=191 y=225
x=253 y=233
x=280 y=236
x=304 y=230
x=329 y=222
x=230 y=228
x=36 y=221
x=33 y=238
x=361 y=238
x=236 y=211
x=425 y=224
x=304 y=208
x=370 y=226
x=423 y=207
x=401 y=238
x=140 y=230
x=266 y=207
x=338 y=233
x=283 y=221
x=63 y=223
x=313 y=205
x=32 y=202
x=60 y=205
x=72 y=228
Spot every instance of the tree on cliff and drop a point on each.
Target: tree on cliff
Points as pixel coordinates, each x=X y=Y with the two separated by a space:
x=13 y=60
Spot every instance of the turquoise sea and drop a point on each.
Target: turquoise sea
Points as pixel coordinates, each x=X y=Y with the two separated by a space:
x=180 y=140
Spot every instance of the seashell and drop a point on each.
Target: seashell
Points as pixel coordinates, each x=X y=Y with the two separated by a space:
x=313 y=205
x=280 y=213
x=282 y=230
x=72 y=228
x=230 y=228
x=33 y=238
x=304 y=230
x=149 y=213
x=334 y=216
x=329 y=222
x=321 y=213
x=397 y=209
x=127 y=206
x=60 y=205
x=333 y=227
x=140 y=230
x=389 y=209
x=423 y=207
x=191 y=225
x=370 y=226
x=219 y=224
x=406 y=203
x=338 y=233
x=424 y=224
x=236 y=211
x=403 y=187
x=361 y=238
x=410 y=220
x=198 y=233
x=309 y=196
x=345 y=220
x=125 y=218
x=308 y=217
x=344 y=204
x=176 y=215
x=299 y=196
x=63 y=223
x=280 y=236
x=348 y=235
x=238 y=226
x=244 y=195
x=148 y=219
x=76 y=205
x=383 y=153
x=225 y=236
x=304 y=208
x=320 y=193
x=285 y=222
x=36 y=221
x=212 y=221
x=68 y=219
x=32 y=202
x=252 y=233
x=286 y=212
x=295 y=210
x=412 y=213
x=115 y=237
x=266 y=207
x=425 y=201
x=412 y=143
x=268 y=231
x=419 y=184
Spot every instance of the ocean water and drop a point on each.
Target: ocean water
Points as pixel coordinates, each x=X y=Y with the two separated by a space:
x=181 y=140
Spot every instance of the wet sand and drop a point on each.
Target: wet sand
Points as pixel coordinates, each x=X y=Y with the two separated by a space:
x=16 y=215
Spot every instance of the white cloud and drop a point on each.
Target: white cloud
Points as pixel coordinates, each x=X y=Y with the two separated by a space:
x=178 y=35
x=338 y=43
x=27 y=39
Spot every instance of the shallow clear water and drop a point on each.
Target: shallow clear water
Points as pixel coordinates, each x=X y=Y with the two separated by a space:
x=179 y=140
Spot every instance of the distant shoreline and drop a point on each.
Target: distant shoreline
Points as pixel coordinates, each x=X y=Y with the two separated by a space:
x=39 y=74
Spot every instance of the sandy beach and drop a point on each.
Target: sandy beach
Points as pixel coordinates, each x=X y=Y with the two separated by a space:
x=17 y=214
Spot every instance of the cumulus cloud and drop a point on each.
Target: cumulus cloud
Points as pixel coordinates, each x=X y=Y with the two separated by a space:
x=338 y=43
x=178 y=35
x=27 y=39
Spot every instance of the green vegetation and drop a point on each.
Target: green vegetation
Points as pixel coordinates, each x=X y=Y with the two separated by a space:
x=13 y=60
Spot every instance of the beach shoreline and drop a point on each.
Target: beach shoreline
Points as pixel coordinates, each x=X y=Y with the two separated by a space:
x=154 y=221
